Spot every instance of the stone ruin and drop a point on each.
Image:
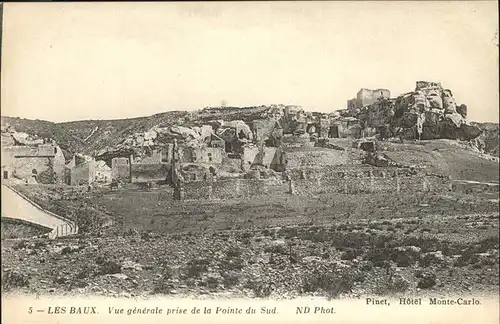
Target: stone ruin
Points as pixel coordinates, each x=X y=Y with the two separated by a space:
x=366 y=179
x=428 y=112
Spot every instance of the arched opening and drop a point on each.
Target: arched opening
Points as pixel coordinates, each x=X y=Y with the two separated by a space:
x=34 y=172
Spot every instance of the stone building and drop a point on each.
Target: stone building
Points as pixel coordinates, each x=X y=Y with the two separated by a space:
x=366 y=97
x=269 y=130
x=269 y=157
x=43 y=163
x=120 y=168
x=84 y=170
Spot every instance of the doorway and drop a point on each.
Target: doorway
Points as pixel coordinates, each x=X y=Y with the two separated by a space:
x=334 y=132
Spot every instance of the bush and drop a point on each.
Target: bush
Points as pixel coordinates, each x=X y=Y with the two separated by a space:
x=378 y=257
x=107 y=266
x=405 y=258
x=212 y=282
x=468 y=257
x=196 y=267
x=231 y=264
x=233 y=251
x=21 y=245
x=395 y=285
x=276 y=248
x=12 y=279
x=332 y=283
x=259 y=288
x=230 y=279
x=430 y=259
x=427 y=280
x=351 y=254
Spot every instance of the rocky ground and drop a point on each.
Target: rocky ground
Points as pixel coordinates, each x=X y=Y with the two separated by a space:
x=281 y=247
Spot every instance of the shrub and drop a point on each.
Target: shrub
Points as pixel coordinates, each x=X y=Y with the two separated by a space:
x=233 y=251
x=405 y=258
x=106 y=266
x=87 y=272
x=351 y=254
x=427 y=280
x=13 y=279
x=332 y=283
x=212 y=282
x=468 y=257
x=276 y=248
x=231 y=264
x=259 y=288
x=196 y=267
x=395 y=285
x=430 y=259
x=21 y=245
x=230 y=279
x=163 y=285
x=378 y=257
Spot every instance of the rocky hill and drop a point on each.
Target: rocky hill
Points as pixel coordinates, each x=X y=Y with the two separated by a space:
x=90 y=136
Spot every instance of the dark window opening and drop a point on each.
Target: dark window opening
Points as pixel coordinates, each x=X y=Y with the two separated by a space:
x=34 y=172
x=6 y=174
x=55 y=150
x=333 y=132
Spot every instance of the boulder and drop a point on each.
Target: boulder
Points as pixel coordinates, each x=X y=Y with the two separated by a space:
x=449 y=104
x=242 y=129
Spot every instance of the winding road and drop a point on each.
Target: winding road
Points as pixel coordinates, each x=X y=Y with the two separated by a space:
x=19 y=207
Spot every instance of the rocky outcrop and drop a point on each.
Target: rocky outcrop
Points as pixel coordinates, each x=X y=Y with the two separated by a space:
x=11 y=137
x=431 y=112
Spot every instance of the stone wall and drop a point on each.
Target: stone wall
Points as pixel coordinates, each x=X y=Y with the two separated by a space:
x=24 y=162
x=366 y=97
x=319 y=157
x=365 y=179
x=222 y=189
x=120 y=169
x=27 y=167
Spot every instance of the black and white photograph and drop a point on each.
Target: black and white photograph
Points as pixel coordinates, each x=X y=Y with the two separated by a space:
x=337 y=150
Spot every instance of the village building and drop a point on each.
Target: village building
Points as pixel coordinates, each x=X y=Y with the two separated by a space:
x=84 y=170
x=43 y=163
x=216 y=142
x=120 y=168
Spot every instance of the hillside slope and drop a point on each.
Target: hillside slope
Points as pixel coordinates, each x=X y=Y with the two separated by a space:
x=445 y=157
x=98 y=134
x=46 y=129
x=490 y=137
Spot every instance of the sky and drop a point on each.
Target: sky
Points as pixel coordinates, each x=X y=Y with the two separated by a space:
x=66 y=61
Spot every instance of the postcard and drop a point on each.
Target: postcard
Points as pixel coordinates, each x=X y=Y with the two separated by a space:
x=253 y=162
